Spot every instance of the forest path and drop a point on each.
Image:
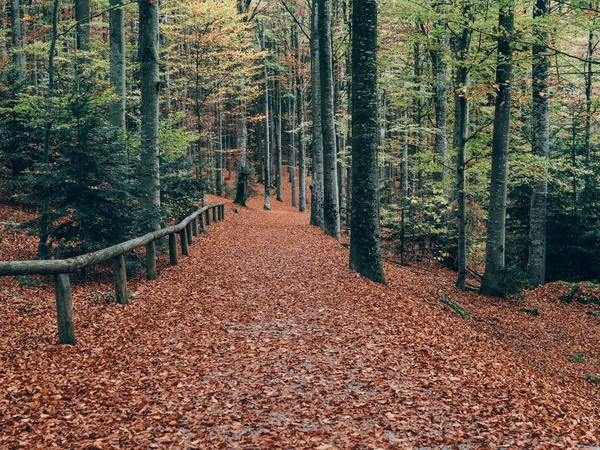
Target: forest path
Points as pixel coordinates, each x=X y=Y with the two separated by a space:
x=263 y=338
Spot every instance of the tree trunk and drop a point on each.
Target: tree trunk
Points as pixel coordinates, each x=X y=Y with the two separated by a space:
x=331 y=213
x=493 y=283
x=279 y=154
x=439 y=72
x=316 y=199
x=540 y=140
x=292 y=123
x=301 y=147
x=267 y=155
x=461 y=126
x=117 y=64
x=17 y=39
x=219 y=158
x=149 y=73
x=365 y=241
x=43 y=243
x=82 y=16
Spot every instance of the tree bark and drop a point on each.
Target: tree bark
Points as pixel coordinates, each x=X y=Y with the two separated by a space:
x=267 y=155
x=365 y=240
x=461 y=127
x=17 y=39
x=150 y=83
x=117 y=64
x=279 y=154
x=316 y=205
x=540 y=144
x=439 y=72
x=331 y=213
x=493 y=283
x=82 y=17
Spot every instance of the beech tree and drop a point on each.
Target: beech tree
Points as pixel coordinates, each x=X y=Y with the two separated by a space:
x=493 y=282
x=150 y=84
x=365 y=247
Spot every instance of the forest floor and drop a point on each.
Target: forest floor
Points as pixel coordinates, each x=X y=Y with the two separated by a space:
x=263 y=338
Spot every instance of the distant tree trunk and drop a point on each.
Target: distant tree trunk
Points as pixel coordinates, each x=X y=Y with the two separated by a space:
x=540 y=140
x=439 y=72
x=493 y=283
x=82 y=16
x=43 y=250
x=267 y=155
x=150 y=83
x=302 y=148
x=316 y=205
x=461 y=127
x=219 y=158
x=404 y=164
x=300 y=126
x=243 y=134
x=117 y=64
x=279 y=154
x=365 y=240
x=17 y=39
x=292 y=157
x=331 y=213
x=589 y=85
x=3 y=28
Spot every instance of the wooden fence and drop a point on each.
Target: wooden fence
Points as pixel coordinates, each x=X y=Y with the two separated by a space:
x=61 y=268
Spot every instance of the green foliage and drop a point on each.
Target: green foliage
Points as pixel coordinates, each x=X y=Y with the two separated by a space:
x=417 y=227
x=87 y=183
x=577 y=358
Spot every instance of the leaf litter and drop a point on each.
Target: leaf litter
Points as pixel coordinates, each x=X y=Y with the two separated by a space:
x=263 y=338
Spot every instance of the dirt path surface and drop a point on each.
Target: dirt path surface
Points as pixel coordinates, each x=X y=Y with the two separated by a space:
x=263 y=338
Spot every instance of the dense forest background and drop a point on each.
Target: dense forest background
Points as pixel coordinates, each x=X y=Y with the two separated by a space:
x=116 y=116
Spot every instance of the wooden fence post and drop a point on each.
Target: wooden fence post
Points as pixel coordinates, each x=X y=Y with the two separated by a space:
x=208 y=217
x=194 y=224
x=173 y=250
x=214 y=211
x=188 y=232
x=202 y=226
x=151 y=260
x=222 y=210
x=184 y=242
x=64 y=309
x=120 y=272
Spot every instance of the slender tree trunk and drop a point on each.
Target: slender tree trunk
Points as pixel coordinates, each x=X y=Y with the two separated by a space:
x=300 y=126
x=292 y=157
x=540 y=130
x=219 y=158
x=365 y=240
x=117 y=64
x=267 y=156
x=279 y=154
x=149 y=73
x=493 y=283
x=589 y=84
x=316 y=205
x=461 y=127
x=404 y=187
x=302 y=148
x=439 y=72
x=82 y=16
x=43 y=250
x=17 y=39
x=331 y=213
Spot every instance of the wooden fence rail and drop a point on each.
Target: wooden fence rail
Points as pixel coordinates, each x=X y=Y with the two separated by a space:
x=60 y=268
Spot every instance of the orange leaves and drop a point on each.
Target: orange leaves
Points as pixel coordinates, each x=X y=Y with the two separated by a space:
x=263 y=338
